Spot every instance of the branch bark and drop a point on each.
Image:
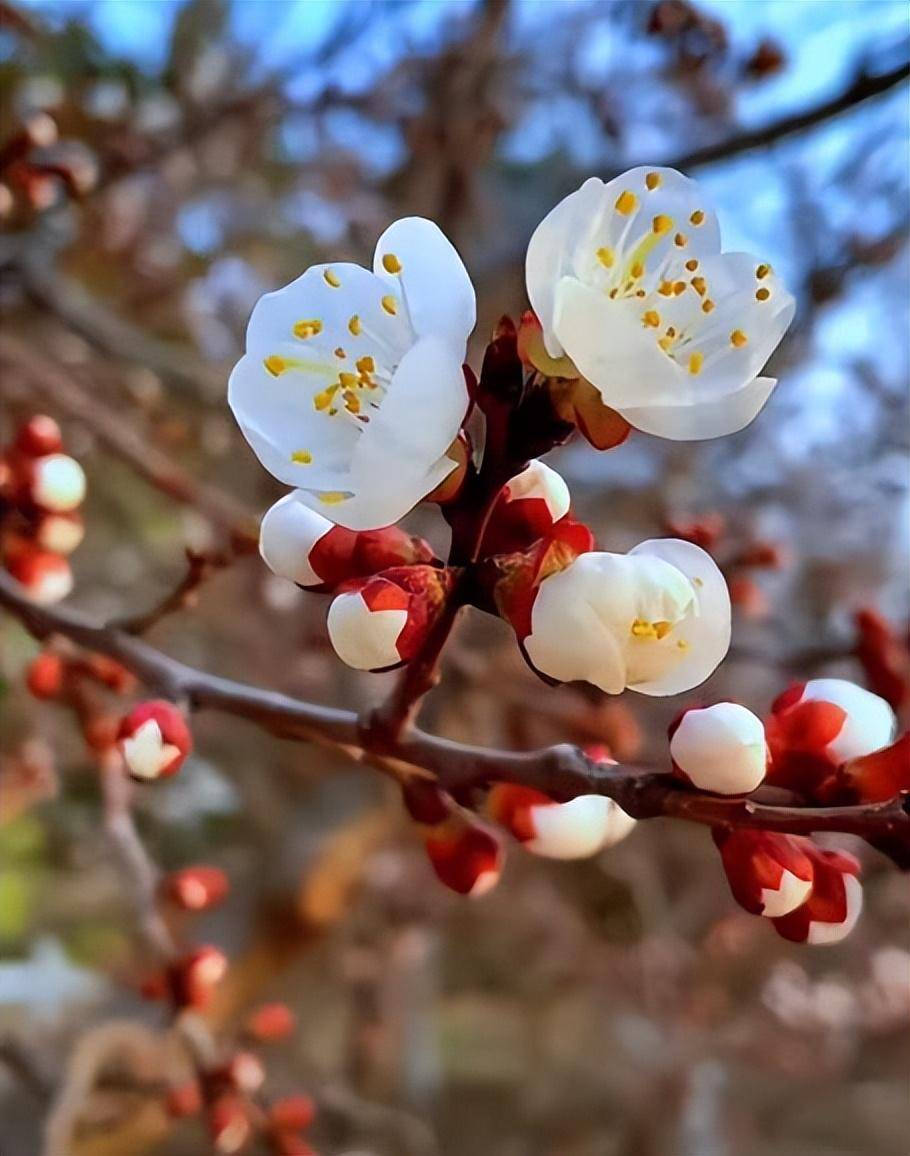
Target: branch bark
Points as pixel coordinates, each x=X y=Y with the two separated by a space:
x=561 y=771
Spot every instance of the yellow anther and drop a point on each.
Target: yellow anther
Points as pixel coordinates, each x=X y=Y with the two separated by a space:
x=762 y=294
x=738 y=338
x=340 y=353
x=662 y=224
x=640 y=293
x=637 y=269
x=666 y=343
x=366 y=365
x=332 y=497
x=707 y=305
x=391 y=264
x=697 y=218
x=301 y=457
x=275 y=365
x=680 y=240
x=696 y=360
x=700 y=285
x=354 y=326
x=666 y=289
x=324 y=398
x=671 y=332
x=692 y=265
x=698 y=582
x=331 y=278
x=305 y=329
x=606 y=257
x=679 y=287
x=626 y=203
x=613 y=294
x=389 y=304
x=652 y=181
x=682 y=644
x=347 y=380
x=351 y=401
x=641 y=628
x=651 y=319
x=762 y=271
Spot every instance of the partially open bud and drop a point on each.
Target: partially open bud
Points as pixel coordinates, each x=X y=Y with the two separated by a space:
x=39 y=436
x=154 y=740
x=817 y=725
x=196 y=888
x=245 y=1071
x=55 y=483
x=229 y=1124
x=656 y=620
x=466 y=857
x=47 y=577
x=193 y=978
x=769 y=874
x=270 y=1021
x=528 y=507
x=379 y=623
x=60 y=533
x=300 y=544
x=44 y=677
x=574 y=830
x=832 y=910
x=720 y=748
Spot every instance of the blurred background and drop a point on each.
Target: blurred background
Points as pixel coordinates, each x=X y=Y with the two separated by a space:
x=210 y=150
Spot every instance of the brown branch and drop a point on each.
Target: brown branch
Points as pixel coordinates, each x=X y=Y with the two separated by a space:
x=68 y=396
x=561 y=771
x=864 y=87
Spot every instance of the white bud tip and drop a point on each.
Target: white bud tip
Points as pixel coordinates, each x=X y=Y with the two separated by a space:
x=59 y=483
x=363 y=638
x=721 y=748
x=145 y=752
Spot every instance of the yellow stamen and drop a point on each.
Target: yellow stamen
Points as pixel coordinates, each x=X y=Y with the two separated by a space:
x=305 y=329
x=696 y=361
x=331 y=278
x=324 y=398
x=652 y=181
x=301 y=457
x=637 y=269
x=391 y=264
x=626 y=203
x=762 y=271
x=679 y=287
x=366 y=365
x=662 y=224
x=332 y=497
x=680 y=240
x=700 y=285
x=340 y=353
x=697 y=217
x=347 y=380
x=351 y=401
x=682 y=644
x=641 y=628
x=762 y=294
x=666 y=289
x=606 y=257
x=275 y=365
x=738 y=338
x=692 y=265
x=354 y=326
x=652 y=319
x=389 y=304
x=707 y=305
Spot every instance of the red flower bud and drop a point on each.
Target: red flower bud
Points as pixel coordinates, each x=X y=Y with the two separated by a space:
x=184 y=1100
x=769 y=874
x=39 y=436
x=528 y=507
x=292 y=1113
x=874 y=778
x=245 y=1072
x=192 y=980
x=884 y=656
x=154 y=740
x=831 y=911
x=196 y=888
x=46 y=577
x=270 y=1021
x=54 y=483
x=229 y=1124
x=465 y=857
x=44 y=677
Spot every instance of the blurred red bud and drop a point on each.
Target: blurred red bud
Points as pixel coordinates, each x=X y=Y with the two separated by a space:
x=154 y=740
x=270 y=1021
x=194 y=978
x=229 y=1124
x=39 y=436
x=184 y=1100
x=196 y=888
x=44 y=677
x=292 y=1113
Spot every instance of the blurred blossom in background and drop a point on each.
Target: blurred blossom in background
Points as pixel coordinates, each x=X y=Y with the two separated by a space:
x=207 y=151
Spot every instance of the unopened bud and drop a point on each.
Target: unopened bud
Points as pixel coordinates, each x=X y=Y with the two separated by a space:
x=769 y=874
x=44 y=677
x=154 y=740
x=47 y=577
x=196 y=888
x=465 y=857
x=720 y=748
x=270 y=1021
x=56 y=483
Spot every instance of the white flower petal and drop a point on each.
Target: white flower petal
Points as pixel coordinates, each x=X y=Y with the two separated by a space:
x=870 y=723
x=790 y=893
x=435 y=284
x=824 y=934
x=705 y=633
x=698 y=420
x=721 y=748
x=539 y=480
x=146 y=753
x=579 y=828
x=364 y=638
x=289 y=531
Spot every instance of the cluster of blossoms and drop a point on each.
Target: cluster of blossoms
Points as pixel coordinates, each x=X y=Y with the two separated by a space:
x=827 y=741
x=41 y=490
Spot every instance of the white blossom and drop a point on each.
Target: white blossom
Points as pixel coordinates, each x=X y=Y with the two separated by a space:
x=721 y=748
